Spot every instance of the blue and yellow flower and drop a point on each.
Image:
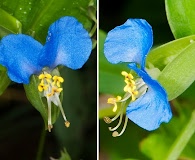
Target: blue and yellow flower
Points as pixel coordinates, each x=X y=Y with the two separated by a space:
x=67 y=43
x=145 y=100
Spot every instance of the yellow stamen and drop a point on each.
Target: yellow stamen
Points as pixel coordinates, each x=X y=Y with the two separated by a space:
x=115 y=108
x=54 y=90
x=107 y=120
x=67 y=124
x=119 y=114
x=42 y=87
x=132 y=82
x=51 y=85
x=116 y=134
x=131 y=88
x=127 y=75
x=45 y=76
x=57 y=80
x=130 y=85
x=114 y=101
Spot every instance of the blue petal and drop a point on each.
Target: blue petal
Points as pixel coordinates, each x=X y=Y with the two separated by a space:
x=129 y=42
x=19 y=54
x=68 y=43
x=151 y=109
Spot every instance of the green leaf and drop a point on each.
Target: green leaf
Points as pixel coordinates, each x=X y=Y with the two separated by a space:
x=180 y=15
x=178 y=75
x=39 y=102
x=37 y=16
x=4 y=81
x=152 y=142
x=166 y=53
x=2 y=68
x=182 y=139
x=64 y=155
x=176 y=61
x=8 y=24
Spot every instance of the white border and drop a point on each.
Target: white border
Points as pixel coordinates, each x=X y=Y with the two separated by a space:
x=97 y=15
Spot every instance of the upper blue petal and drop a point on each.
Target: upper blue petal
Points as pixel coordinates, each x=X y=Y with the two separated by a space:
x=19 y=54
x=152 y=108
x=129 y=42
x=68 y=44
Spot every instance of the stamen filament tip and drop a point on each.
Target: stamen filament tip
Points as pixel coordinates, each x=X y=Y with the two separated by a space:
x=107 y=120
x=67 y=124
x=115 y=134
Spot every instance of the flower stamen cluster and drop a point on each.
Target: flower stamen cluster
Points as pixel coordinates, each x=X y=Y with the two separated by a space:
x=130 y=85
x=133 y=90
x=50 y=88
x=114 y=102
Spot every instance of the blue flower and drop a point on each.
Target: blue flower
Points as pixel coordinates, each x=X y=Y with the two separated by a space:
x=148 y=106
x=67 y=43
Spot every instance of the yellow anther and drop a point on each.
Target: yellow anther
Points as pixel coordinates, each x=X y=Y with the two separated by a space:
x=115 y=108
x=67 y=124
x=128 y=76
x=107 y=120
x=58 y=90
x=129 y=87
x=57 y=80
x=115 y=134
x=126 y=88
x=42 y=87
x=46 y=76
x=133 y=95
x=114 y=101
x=131 y=82
x=54 y=90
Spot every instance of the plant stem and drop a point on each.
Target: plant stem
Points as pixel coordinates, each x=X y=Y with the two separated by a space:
x=182 y=139
x=41 y=144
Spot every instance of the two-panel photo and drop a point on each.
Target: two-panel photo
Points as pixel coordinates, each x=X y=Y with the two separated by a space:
x=97 y=80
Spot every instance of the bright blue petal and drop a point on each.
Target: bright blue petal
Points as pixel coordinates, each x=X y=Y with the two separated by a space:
x=129 y=42
x=19 y=54
x=151 y=109
x=68 y=44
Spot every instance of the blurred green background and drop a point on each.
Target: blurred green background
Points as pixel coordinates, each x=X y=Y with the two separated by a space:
x=137 y=143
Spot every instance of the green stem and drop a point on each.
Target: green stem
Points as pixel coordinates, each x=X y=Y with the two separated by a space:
x=93 y=30
x=41 y=144
x=182 y=139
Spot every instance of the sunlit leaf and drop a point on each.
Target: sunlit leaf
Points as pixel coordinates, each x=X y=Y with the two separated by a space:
x=166 y=53
x=37 y=16
x=8 y=24
x=178 y=75
x=180 y=15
